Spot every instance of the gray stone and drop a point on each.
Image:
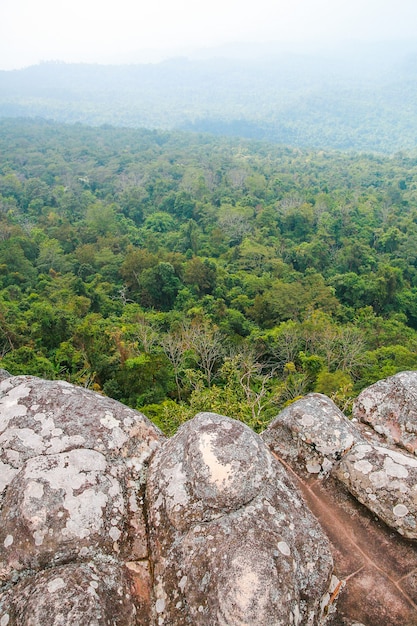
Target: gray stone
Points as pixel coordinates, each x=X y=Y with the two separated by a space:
x=222 y=534
x=311 y=434
x=231 y=540
x=60 y=507
x=4 y=374
x=390 y=408
x=78 y=594
x=385 y=481
x=72 y=476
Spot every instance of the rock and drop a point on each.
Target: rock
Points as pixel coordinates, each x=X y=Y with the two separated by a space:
x=375 y=565
x=104 y=521
x=317 y=439
x=232 y=542
x=59 y=507
x=72 y=476
x=78 y=594
x=385 y=481
x=390 y=408
x=311 y=434
x=4 y=374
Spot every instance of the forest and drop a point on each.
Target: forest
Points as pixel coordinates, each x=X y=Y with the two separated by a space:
x=356 y=97
x=179 y=271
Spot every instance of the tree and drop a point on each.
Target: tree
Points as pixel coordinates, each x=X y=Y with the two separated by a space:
x=159 y=222
x=207 y=343
x=258 y=385
x=200 y=274
x=136 y=260
x=174 y=344
x=159 y=286
x=52 y=257
x=25 y=360
x=235 y=226
x=101 y=219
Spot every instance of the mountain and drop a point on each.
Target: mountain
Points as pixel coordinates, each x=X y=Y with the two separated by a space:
x=355 y=98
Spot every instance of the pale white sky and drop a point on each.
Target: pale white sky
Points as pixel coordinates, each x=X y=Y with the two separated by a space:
x=116 y=30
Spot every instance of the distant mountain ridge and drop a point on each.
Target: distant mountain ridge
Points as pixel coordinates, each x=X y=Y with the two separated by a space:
x=362 y=99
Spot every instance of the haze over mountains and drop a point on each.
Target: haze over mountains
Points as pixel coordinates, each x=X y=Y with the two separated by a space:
x=356 y=97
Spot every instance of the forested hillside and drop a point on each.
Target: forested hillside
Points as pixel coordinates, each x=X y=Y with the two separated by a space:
x=177 y=272
x=354 y=98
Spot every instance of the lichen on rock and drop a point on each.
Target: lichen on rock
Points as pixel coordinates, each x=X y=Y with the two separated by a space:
x=105 y=521
x=231 y=540
x=312 y=434
x=72 y=525
x=389 y=407
x=385 y=481
x=90 y=593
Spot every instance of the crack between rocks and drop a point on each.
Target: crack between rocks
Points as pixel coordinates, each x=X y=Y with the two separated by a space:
x=149 y=558
x=368 y=560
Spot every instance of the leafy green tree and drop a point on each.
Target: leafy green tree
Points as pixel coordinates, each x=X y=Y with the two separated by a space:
x=387 y=361
x=200 y=275
x=15 y=267
x=50 y=326
x=136 y=260
x=142 y=380
x=52 y=257
x=101 y=219
x=25 y=360
x=159 y=286
x=159 y=222
x=338 y=386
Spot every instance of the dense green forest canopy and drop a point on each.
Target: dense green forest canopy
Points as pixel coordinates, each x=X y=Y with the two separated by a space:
x=178 y=271
x=354 y=98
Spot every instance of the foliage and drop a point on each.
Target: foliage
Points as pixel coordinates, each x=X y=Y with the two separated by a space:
x=346 y=98
x=179 y=273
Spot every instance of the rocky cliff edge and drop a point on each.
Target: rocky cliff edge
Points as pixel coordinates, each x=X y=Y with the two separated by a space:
x=105 y=521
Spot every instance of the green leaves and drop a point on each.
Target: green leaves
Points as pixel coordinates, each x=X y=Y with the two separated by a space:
x=182 y=272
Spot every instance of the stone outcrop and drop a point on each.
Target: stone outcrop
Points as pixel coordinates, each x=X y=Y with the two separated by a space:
x=73 y=538
x=389 y=407
x=340 y=463
x=231 y=539
x=105 y=521
x=315 y=438
x=311 y=434
x=385 y=481
x=77 y=593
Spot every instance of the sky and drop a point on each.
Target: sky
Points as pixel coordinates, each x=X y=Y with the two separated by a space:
x=119 y=31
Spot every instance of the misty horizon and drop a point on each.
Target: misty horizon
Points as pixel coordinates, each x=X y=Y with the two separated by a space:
x=103 y=33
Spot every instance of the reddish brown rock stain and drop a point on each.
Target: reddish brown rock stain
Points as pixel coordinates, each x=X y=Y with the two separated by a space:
x=378 y=567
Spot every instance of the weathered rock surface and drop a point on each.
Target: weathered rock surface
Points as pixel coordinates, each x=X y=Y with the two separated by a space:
x=376 y=566
x=312 y=434
x=77 y=593
x=329 y=455
x=104 y=521
x=385 y=481
x=231 y=539
x=72 y=529
x=390 y=408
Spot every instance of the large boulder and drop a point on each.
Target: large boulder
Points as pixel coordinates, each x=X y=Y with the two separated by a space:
x=73 y=537
x=232 y=541
x=389 y=407
x=105 y=521
x=90 y=593
x=341 y=465
x=385 y=481
x=311 y=434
